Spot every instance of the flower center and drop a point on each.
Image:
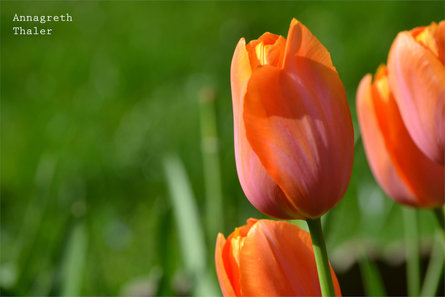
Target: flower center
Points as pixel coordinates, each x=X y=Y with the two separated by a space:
x=261 y=53
x=237 y=243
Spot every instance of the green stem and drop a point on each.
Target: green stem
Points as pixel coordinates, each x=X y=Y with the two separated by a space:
x=435 y=267
x=438 y=212
x=211 y=163
x=412 y=251
x=371 y=278
x=321 y=257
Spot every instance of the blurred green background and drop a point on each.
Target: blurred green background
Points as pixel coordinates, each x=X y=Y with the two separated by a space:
x=99 y=118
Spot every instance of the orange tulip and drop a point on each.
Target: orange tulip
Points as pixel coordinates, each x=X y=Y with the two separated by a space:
x=416 y=72
x=403 y=171
x=268 y=258
x=294 y=139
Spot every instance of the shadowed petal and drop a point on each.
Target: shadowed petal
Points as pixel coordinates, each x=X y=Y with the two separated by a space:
x=419 y=173
x=224 y=281
x=378 y=157
x=300 y=128
x=258 y=186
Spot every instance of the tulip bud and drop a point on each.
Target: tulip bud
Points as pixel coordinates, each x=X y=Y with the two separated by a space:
x=294 y=139
x=268 y=258
x=404 y=172
x=416 y=73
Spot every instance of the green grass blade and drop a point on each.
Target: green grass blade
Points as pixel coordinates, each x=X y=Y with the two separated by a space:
x=186 y=213
x=435 y=267
x=371 y=277
x=191 y=235
x=32 y=222
x=412 y=251
x=439 y=214
x=74 y=261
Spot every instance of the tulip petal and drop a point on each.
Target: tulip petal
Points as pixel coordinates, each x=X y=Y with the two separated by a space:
x=239 y=74
x=440 y=40
x=439 y=116
x=302 y=43
x=417 y=79
x=378 y=157
x=257 y=185
x=419 y=173
x=224 y=281
x=277 y=260
x=300 y=128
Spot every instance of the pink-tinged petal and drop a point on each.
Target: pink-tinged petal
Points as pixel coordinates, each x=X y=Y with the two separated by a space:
x=277 y=259
x=258 y=186
x=300 y=128
x=439 y=119
x=378 y=157
x=419 y=173
x=223 y=278
x=302 y=43
x=439 y=116
x=417 y=80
